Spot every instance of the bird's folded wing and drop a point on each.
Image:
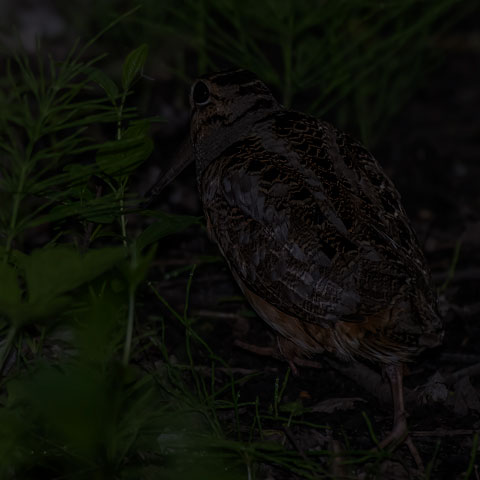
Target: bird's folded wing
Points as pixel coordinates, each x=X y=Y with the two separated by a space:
x=306 y=226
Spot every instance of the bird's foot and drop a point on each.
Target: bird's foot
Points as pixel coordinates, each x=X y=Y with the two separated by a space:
x=399 y=435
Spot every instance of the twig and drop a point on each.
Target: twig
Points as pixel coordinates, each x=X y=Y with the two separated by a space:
x=222 y=315
x=178 y=262
x=205 y=370
x=339 y=468
x=471 y=371
x=357 y=372
x=370 y=380
x=442 y=432
x=294 y=442
x=466 y=358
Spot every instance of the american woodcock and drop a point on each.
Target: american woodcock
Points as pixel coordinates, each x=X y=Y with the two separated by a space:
x=313 y=231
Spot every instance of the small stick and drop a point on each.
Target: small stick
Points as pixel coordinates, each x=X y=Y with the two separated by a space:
x=441 y=432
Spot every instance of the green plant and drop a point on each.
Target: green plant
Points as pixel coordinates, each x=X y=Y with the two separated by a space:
x=48 y=163
x=82 y=413
x=355 y=61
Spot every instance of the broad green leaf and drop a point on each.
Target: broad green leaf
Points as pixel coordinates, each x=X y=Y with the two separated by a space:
x=52 y=272
x=15 y=434
x=138 y=128
x=133 y=64
x=105 y=82
x=79 y=173
x=71 y=401
x=120 y=157
x=136 y=272
x=10 y=293
x=98 y=334
x=46 y=308
x=167 y=225
x=97 y=210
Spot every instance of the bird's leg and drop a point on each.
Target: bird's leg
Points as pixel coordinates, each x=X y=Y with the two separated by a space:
x=399 y=431
x=289 y=352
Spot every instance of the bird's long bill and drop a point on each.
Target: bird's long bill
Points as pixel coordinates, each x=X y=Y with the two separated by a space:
x=182 y=159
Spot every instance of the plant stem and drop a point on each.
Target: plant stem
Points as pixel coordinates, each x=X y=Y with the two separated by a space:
x=119 y=115
x=131 y=312
x=202 y=58
x=453 y=266
x=17 y=198
x=287 y=58
x=7 y=344
x=471 y=465
x=123 y=220
x=129 y=335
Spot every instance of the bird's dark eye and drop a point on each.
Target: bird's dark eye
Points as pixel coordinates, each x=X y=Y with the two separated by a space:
x=200 y=93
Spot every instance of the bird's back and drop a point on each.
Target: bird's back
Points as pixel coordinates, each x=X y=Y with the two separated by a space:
x=311 y=225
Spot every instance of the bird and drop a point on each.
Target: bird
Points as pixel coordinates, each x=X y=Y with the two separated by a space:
x=313 y=231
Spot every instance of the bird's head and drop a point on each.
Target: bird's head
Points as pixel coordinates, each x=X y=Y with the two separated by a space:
x=224 y=107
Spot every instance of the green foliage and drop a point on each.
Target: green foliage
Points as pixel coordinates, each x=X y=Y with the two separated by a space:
x=48 y=174
x=166 y=225
x=89 y=417
x=44 y=131
x=133 y=65
x=49 y=275
x=356 y=60
x=121 y=157
x=87 y=413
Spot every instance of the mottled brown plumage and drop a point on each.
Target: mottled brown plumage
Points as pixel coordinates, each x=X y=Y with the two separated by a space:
x=310 y=224
x=312 y=229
